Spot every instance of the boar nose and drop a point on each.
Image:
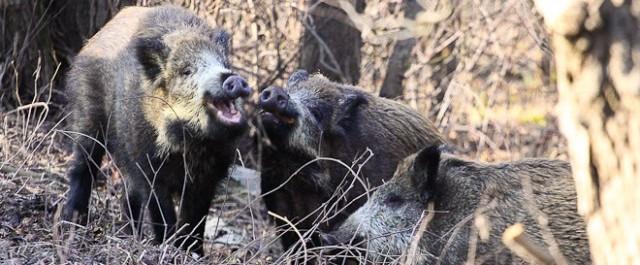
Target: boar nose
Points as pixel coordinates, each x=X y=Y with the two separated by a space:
x=328 y=239
x=234 y=86
x=274 y=99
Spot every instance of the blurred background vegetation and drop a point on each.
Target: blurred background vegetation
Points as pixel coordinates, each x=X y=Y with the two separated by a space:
x=480 y=69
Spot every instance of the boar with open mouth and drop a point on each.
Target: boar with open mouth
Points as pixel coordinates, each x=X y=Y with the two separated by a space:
x=313 y=118
x=154 y=89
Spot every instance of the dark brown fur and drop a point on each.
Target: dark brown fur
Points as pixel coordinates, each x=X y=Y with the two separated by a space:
x=472 y=201
x=335 y=121
x=138 y=90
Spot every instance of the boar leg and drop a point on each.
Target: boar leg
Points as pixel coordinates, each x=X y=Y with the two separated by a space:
x=85 y=166
x=163 y=215
x=193 y=214
x=134 y=202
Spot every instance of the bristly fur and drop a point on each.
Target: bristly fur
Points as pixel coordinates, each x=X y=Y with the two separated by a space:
x=337 y=121
x=138 y=86
x=472 y=201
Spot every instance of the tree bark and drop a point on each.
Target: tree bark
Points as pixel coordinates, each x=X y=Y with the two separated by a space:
x=37 y=36
x=329 y=44
x=597 y=51
x=392 y=86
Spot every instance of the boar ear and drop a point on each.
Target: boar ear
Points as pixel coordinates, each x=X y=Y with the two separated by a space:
x=152 y=54
x=347 y=110
x=425 y=169
x=297 y=76
x=222 y=39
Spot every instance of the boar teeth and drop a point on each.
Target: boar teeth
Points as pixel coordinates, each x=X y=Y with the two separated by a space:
x=232 y=108
x=226 y=111
x=211 y=106
x=279 y=117
x=285 y=119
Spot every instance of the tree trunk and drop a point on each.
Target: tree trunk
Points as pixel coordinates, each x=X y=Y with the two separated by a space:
x=597 y=46
x=392 y=86
x=39 y=35
x=330 y=45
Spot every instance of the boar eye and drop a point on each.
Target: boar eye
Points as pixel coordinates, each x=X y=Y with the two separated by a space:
x=320 y=110
x=393 y=200
x=317 y=114
x=185 y=71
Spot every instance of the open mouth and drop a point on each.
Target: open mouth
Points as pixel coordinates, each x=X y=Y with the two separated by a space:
x=277 y=117
x=224 y=109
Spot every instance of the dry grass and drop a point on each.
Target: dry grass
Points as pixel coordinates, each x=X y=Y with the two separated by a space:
x=497 y=104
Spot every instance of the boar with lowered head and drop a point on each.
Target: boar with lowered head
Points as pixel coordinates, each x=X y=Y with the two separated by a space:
x=472 y=205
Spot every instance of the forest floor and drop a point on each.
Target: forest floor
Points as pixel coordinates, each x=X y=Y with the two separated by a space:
x=239 y=231
x=33 y=187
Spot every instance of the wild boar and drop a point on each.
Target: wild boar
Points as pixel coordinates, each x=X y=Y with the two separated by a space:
x=473 y=203
x=312 y=118
x=154 y=90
